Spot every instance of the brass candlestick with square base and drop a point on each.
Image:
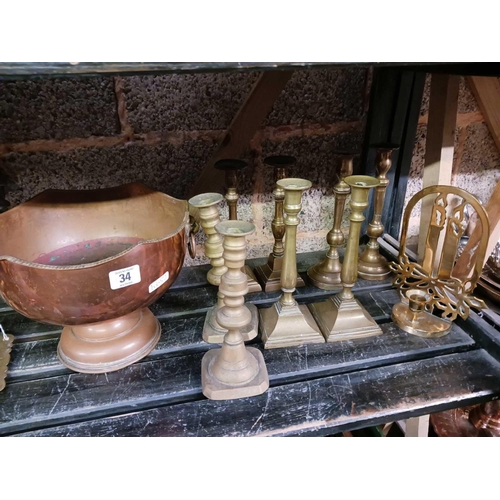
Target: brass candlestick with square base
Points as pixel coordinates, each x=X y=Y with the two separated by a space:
x=269 y=274
x=234 y=370
x=372 y=265
x=230 y=167
x=286 y=323
x=342 y=317
x=326 y=274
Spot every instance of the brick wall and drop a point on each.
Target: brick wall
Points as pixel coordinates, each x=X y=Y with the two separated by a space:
x=161 y=130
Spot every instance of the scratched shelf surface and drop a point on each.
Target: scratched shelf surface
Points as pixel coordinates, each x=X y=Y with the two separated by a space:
x=161 y=395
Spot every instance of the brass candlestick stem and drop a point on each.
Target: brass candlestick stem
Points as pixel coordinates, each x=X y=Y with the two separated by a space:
x=286 y=323
x=342 y=317
x=206 y=204
x=269 y=274
x=234 y=371
x=326 y=274
x=372 y=265
x=230 y=168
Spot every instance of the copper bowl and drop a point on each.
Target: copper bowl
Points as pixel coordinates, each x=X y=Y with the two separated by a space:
x=93 y=261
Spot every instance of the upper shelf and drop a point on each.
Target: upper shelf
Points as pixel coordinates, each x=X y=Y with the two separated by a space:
x=57 y=69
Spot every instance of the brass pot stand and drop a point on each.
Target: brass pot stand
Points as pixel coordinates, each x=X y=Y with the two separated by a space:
x=287 y=323
x=230 y=167
x=342 y=317
x=234 y=370
x=269 y=274
x=326 y=274
x=372 y=265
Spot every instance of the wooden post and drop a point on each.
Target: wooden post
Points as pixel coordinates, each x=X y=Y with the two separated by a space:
x=243 y=127
x=486 y=90
x=439 y=144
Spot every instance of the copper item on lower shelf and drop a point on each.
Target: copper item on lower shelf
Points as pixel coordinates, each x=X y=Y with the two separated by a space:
x=234 y=370
x=482 y=420
x=326 y=274
x=269 y=274
x=286 y=323
x=93 y=261
x=434 y=277
x=342 y=317
x=371 y=264
x=230 y=167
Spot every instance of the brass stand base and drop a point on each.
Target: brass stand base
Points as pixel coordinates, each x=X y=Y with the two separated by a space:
x=269 y=274
x=288 y=326
x=213 y=333
x=423 y=325
x=213 y=388
x=376 y=268
x=253 y=284
x=343 y=319
x=320 y=277
x=110 y=345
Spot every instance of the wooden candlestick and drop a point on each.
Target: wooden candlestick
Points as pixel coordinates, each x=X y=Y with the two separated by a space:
x=234 y=370
x=286 y=323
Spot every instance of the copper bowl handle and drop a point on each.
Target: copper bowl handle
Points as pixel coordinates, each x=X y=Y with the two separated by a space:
x=194 y=227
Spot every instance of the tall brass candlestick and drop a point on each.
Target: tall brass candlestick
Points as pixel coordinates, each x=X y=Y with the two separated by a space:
x=269 y=274
x=234 y=371
x=230 y=167
x=286 y=323
x=206 y=204
x=326 y=274
x=372 y=265
x=342 y=317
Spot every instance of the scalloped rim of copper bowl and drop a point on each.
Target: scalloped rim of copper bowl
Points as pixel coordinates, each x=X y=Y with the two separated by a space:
x=177 y=230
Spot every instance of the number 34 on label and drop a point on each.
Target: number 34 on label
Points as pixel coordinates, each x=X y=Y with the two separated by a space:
x=124 y=277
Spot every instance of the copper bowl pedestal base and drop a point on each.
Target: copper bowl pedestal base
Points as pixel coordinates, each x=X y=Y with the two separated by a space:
x=109 y=345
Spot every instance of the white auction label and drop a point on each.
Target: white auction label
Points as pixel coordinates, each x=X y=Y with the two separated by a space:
x=124 y=277
x=159 y=282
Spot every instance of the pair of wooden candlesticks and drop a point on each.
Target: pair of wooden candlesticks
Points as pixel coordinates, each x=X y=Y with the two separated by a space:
x=237 y=371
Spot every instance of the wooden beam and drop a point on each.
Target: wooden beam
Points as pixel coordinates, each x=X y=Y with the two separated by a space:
x=486 y=90
x=493 y=210
x=439 y=144
x=243 y=127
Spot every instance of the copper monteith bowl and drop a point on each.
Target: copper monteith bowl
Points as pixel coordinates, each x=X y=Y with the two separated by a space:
x=93 y=261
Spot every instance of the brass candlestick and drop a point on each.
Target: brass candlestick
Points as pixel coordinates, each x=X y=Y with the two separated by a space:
x=206 y=204
x=342 y=317
x=286 y=323
x=326 y=274
x=234 y=371
x=230 y=168
x=413 y=318
x=372 y=265
x=269 y=274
